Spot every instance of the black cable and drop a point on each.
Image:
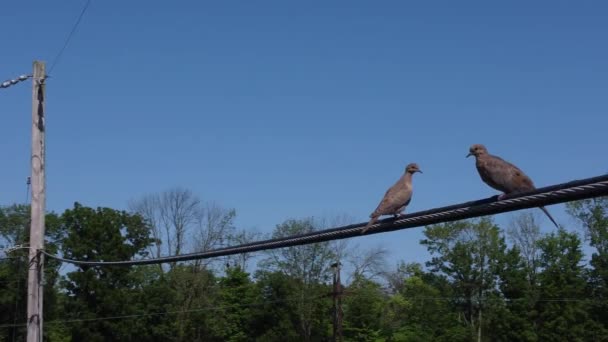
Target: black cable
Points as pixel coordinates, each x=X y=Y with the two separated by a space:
x=56 y=59
x=565 y=192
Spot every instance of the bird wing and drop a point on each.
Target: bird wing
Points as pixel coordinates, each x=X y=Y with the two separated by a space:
x=503 y=175
x=396 y=196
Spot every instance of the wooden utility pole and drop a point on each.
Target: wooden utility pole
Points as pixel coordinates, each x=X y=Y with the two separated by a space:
x=36 y=260
x=337 y=295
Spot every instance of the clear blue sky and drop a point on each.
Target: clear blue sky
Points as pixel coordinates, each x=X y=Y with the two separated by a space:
x=287 y=109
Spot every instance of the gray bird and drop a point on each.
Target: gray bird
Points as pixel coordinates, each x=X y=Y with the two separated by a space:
x=502 y=175
x=396 y=198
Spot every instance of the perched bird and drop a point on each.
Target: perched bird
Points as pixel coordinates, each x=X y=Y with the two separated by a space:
x=502 y=175
x=396 y=198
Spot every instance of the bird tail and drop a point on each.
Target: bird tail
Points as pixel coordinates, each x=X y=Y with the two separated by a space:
x=370 y=223
x=549 y=215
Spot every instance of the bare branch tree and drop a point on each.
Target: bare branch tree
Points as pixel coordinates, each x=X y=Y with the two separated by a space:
x=242 y=237
x=214 y=228
x=369 y=264
x=179 y=208
x=148 y=207
x=176 y=213
x=524 y=232
x=340 y=247
x=214 y=225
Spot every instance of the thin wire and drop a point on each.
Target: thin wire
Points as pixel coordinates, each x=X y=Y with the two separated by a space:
x=11 y=258
x=12 y=249
x=207 y=308
x=565 y=192
x=58 y=56
x=223 y=307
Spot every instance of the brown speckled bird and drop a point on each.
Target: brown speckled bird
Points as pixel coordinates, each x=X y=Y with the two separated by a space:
x=396 y=198
x=502 y=175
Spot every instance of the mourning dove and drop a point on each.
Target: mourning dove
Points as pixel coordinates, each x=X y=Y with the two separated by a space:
x=396 y=198
x=502 y=175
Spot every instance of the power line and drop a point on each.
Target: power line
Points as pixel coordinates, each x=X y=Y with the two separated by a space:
x=565 y=192
x=224 y=307
x=67 y=41
x=14 y=248
x=206 y=308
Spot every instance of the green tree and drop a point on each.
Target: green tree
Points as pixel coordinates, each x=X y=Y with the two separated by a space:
x=468 y=253
x=420 y=308
x=14 y=232
x=276 y=318
x=195 y=292
x=309 y=266
x=14 y=225
x=562 y=309
x=103 y=234
x=515 y=319
x=592 y=214
x=153 y=296
x=232 y=320
x=363 y=305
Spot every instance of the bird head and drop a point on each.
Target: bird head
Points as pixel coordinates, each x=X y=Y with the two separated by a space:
x=412 y=168
x=477 y=150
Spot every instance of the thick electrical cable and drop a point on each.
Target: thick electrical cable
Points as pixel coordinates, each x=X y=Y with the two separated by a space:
x=560 y=193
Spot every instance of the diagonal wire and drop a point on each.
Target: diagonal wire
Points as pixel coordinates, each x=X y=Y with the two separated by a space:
x=67 y=41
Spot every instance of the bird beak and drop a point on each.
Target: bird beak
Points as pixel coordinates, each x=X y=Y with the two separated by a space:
x=419 y=171
x=468 y=155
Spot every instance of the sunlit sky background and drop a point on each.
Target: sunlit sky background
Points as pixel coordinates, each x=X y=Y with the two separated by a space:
x=285 y=109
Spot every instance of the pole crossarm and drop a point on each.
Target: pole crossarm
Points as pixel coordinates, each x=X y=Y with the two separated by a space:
x=560 y=193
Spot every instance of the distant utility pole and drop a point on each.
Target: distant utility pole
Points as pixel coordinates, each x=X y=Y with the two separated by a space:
x=36 y=260
x=337 y=295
